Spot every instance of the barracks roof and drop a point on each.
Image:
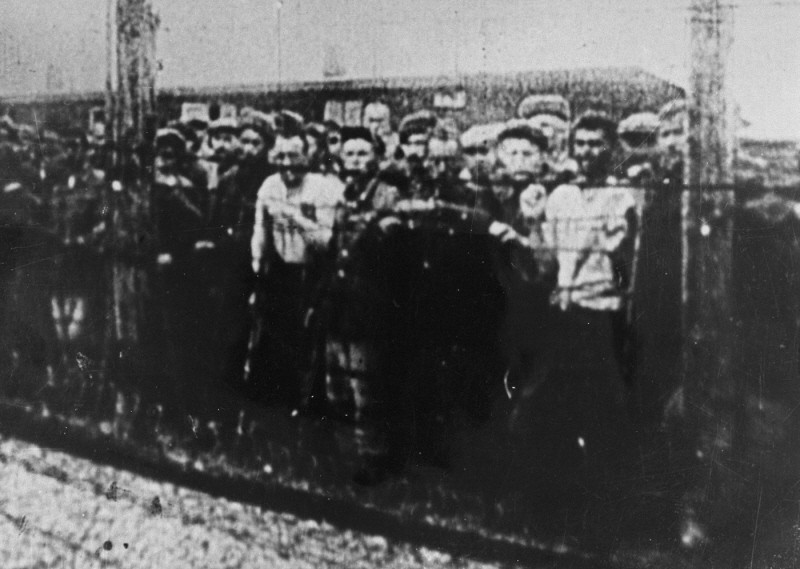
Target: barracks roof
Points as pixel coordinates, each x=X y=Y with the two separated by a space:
x=598 y=79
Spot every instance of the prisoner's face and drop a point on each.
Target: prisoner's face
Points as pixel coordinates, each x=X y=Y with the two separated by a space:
x=442 y=155
x=166 y=160
x=376 y=119
x=416 y=146
x=97 y=136
x=357 y=155
x=334 y=139
x=224 y=144
x=673 y=138
x=290 y=157
x=520 y=159
x=479 y=159
x=592 y=151
x=251 y=145
x=555 y=129
x=637 y=143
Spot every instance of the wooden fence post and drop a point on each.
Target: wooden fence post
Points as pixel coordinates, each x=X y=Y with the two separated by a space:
x=710 y=385
x=130 y=101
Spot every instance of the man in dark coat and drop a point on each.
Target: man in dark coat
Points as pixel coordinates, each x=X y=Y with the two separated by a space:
x=233 y=216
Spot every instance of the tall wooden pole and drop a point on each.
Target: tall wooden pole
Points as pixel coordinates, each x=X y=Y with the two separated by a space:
x=130 y=110
x=711 y=388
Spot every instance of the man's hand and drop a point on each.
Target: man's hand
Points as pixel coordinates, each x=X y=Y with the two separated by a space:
x=257 y=266
x=387 y=224
x=504 y=232
x=561 y=297
x=204 y=244
x=294 y=215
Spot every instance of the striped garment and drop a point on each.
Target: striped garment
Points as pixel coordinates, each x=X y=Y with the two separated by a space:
x=586 y=228
x=314 y=201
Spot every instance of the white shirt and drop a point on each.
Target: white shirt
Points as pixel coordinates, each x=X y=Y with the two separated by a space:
x=585 y=228
x=294 y=219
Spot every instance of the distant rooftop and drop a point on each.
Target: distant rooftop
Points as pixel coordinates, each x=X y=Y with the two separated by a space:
x=558 y=80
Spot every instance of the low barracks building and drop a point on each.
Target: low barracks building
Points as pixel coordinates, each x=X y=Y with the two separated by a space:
x=468 y=99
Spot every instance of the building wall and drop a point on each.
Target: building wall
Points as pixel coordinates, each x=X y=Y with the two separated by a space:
x=488 y=97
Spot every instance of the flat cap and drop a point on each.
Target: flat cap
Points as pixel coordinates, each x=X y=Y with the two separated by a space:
x=223 y=124
x=638 y=123
x=420 y=122
x=481 y=135
x=520 y=128
x=674 y=107
x=546 y=104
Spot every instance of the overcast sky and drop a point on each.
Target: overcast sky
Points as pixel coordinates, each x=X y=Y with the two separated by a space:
x=219 y=42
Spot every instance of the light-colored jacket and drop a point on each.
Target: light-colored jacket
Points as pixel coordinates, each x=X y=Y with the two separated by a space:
x=293 y=220
x=586 y=228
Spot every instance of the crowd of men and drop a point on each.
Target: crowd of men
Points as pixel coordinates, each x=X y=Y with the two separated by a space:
x=267 y=275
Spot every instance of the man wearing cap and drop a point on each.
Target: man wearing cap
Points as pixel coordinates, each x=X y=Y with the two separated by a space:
x=179 y=204
x=407 y=174
x=517 y=202
x=222 y=145
x=590 y=225
x=233 y=216
x=443 y=160
x=415 y=133
x=638 y=155
x=377 y=119
x=293 y=225
x=479 y=151
x=673 y=137
x=333 y=132
x=359 y=154
x=550 y=114
x=180 y=220
x=659 y=270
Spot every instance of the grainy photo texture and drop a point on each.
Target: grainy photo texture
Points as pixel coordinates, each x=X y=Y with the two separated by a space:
x=422 y=284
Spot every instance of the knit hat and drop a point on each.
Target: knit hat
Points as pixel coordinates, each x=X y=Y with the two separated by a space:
x=639 y=123
x=420 y=122
x=356 y=133
x=674 y=107
x=549 y=104
x=597 y=120
x=171 y=137
x=226 y=124
x=481 y=135
x=519 y=128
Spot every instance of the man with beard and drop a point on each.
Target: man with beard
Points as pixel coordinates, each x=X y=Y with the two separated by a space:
x=179 y=214
x=479 y=151
x=344 y=338
x=234 y=209
x=377 y=119
x=407 y=175
x=524 y=267
x=222 y=146
x=659 y=271
x=233 y=215
x=590 y=226
x=292 y=230
x=638 y=157
x=334 y=137
x=359 y=154
x=439 y=351
x=673 y=138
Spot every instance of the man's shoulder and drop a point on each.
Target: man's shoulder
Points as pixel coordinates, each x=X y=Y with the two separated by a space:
x=271 y=185
x=564 y=192
x=534 y=191
x=324 y=186
x=229 y=176
x=620 y=195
